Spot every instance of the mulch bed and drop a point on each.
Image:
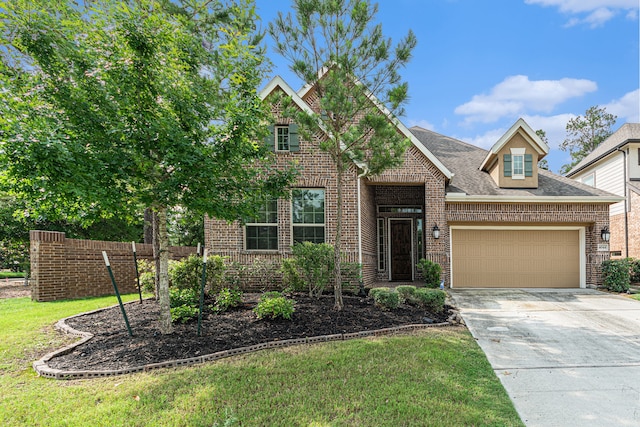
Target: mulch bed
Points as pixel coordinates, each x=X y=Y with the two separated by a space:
x=112 y=348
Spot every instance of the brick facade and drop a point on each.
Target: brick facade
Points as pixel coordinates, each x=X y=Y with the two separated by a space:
x=419 y=183
x=64 y=268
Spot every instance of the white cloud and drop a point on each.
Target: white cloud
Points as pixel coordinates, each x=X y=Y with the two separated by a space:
x=626 y=108
x=597 y=11
x=553 y=126
x=517 y=95
x=421 y=123
x=485 y=140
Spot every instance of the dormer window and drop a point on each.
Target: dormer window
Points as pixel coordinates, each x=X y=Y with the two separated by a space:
x=517 y=163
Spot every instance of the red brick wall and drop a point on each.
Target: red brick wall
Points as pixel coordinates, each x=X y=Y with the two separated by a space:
x=64 y=268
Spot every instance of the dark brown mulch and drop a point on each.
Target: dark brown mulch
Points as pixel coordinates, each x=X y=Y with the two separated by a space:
x=112 y=348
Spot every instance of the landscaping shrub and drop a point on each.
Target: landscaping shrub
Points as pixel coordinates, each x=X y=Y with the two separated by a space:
x=316 y=263
x=273 y=306
x=407 y=293
x=634 y=270
x=387 y=299
x=431 y=299
x=227 y=298
x=291 y=275
x=184 y=304
x=147 y=272
x=430 y=272
x=187 y=273
x=183 y=314
x=615 y=275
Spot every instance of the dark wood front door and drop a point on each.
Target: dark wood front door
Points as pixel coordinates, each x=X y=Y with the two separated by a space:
x=401 y=266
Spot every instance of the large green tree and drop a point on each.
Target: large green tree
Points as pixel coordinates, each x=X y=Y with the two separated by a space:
x=336 y=46
x=111 y=105
x=584 y=134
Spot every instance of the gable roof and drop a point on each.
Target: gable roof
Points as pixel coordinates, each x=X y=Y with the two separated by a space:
x=529 y=134
x=627 y=133
x=298 y=99
x=473 y=185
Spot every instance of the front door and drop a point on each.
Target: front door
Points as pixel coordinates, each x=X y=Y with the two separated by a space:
x=401 y=242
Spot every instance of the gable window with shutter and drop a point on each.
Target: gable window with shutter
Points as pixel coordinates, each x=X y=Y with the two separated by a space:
x=283 y=138
x=518 y=165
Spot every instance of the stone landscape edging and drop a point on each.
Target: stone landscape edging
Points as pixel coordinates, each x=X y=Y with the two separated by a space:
x=44 y=370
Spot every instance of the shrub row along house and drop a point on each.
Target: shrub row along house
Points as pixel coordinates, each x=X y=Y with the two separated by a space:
x=615 y=166
x=489 y=218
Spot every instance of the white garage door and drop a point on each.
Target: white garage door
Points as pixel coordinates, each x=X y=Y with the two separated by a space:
x=515 y=258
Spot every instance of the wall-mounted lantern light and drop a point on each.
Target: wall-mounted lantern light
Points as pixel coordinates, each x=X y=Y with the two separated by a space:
x=605 y=234
x=436 y=232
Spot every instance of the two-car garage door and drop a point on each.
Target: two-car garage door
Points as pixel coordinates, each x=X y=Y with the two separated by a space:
x=516 y=258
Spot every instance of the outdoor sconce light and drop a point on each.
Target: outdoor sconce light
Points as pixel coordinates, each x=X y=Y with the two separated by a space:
x=605 y=234
x=436 y=232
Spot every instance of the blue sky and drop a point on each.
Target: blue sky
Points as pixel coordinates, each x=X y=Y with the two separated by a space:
x=480 y=65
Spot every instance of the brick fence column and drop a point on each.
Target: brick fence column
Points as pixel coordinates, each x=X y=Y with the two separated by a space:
x=48 y=265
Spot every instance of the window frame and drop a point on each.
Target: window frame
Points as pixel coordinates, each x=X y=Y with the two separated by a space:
x=590 y=177
x=276 y=135
x=322 y=225
x=258 y=225
x=517 y=154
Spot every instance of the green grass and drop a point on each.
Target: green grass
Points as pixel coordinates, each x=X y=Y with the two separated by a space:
x=11 y=274
x=438 y=377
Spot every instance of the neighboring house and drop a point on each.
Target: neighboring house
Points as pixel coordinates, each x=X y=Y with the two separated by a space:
x=489 y=218
x=614 y=166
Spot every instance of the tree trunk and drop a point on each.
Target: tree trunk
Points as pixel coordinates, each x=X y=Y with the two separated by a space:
x=337 y=286
x=156 y=251
x=148 y=225
x=163 y=285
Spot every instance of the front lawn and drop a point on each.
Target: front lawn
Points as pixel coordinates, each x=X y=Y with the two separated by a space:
x=11 y=275
x=439 y=377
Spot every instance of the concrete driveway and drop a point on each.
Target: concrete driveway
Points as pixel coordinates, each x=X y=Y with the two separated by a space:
x=565 y=357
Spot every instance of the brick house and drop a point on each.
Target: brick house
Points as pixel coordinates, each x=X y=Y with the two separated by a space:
x=614 y=166
x=489 y=218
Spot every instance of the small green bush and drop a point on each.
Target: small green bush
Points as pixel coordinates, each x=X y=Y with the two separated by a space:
x=374 y=291
x=226 y=299
x=430 y=272
x=615 y=275
x=387 y=299
x=147 y=271
x=431 y=299
x=183 y=313
x=178 y=297
x=291 y=275
x=187 y=273
x=273 y=307
x=407 y=293
x=316 y=262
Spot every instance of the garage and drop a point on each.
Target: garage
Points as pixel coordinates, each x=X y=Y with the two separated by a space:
x=517 y=257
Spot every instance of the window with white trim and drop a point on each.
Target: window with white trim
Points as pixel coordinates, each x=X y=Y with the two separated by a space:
x=262 y=234
x=307 y=215
x=517 y=163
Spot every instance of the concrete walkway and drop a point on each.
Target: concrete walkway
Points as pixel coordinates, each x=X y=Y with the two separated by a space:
x=565 y=357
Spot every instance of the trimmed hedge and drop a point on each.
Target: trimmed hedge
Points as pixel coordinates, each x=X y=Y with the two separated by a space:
x=616 y=274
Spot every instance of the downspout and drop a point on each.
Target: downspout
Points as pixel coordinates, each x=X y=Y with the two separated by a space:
x=626 y=219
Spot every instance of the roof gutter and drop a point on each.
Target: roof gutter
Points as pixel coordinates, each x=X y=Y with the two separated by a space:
x=463 y=198
x=626 y=217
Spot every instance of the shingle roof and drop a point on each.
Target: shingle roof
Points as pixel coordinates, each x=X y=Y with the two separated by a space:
x=464 y=160
x=628 y=131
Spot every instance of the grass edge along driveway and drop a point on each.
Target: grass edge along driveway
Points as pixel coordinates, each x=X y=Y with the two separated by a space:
x=438 y=377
